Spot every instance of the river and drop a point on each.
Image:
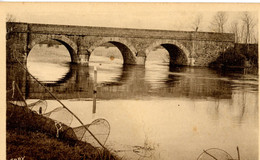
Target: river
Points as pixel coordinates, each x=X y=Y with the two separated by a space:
x=173 y=112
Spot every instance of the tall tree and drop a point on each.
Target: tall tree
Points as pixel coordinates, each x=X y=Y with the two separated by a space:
x=249 y=24
x=255 y=38
x=219 y=21
x=197 y=22
x=235 y=29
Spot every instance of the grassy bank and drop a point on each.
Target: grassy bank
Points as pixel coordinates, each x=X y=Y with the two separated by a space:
x=37 y=145
x=26 y=137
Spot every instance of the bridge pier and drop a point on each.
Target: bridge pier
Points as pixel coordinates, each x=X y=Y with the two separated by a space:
x=83 y=59
x=140 y=60
x=82 y=54
x=191 y=61
x=140 y=57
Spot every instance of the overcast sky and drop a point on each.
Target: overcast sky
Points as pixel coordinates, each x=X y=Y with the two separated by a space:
x=127 y=15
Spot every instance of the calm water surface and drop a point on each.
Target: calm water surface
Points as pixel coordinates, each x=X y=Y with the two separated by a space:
x=176 y=112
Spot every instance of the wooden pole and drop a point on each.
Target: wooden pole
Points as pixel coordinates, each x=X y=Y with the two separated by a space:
x=95 y=90
x=13 y=88
x=19 y=91
x=238 y=154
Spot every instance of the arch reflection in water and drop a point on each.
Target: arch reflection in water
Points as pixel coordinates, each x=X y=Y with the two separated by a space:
x=36 y=91
x=128 y=82
x=48 y=72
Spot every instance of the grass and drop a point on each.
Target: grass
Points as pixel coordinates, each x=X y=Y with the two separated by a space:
x=37 y=145
x=27 y=139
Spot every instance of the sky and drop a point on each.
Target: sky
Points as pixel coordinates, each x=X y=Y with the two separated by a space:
x=165 y=16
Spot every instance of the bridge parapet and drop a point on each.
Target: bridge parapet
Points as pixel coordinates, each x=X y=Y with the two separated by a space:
x=119 y=32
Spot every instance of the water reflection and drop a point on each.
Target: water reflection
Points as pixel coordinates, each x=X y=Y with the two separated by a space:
x=108 y=72
x=156 y=73
x=174 y=110
x=50 y=74
x=135 y=82
x=232 y=93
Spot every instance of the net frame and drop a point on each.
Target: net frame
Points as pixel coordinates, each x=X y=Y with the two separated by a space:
x=209 y=154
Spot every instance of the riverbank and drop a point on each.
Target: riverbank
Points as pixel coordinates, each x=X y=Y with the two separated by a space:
x=243 y=57
x=27 y=138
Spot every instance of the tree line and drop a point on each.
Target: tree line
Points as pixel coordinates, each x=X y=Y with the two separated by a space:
x=244 y=28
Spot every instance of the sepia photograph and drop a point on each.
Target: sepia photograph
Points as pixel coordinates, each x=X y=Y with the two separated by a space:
x=129 y=81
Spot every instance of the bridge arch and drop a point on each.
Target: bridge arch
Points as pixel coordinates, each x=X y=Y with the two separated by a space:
x=127 y=50
x=179 y=54
x=68 y=43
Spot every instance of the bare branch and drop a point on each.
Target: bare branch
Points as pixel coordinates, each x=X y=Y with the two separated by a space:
x=249 y=24
x=219 y=21
x=235 y=29
x=196 y=23
x=10 y=18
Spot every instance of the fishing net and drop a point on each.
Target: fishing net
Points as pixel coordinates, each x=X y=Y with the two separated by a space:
x=60 y=114
x=56 y=122
x=23 y=118
x=14 y=96
x=214 y=154
x=39 y=106
x=99 y=127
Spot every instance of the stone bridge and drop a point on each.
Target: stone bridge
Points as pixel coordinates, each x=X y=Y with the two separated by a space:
x=185 y=48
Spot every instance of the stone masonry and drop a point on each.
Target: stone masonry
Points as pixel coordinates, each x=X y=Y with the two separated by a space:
x=185 y=48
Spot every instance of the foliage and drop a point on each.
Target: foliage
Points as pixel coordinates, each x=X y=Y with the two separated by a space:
x=250 y=51
x=229 y=58
x=238 y=56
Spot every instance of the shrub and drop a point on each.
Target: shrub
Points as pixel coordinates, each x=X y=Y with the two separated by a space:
x=229 y=58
